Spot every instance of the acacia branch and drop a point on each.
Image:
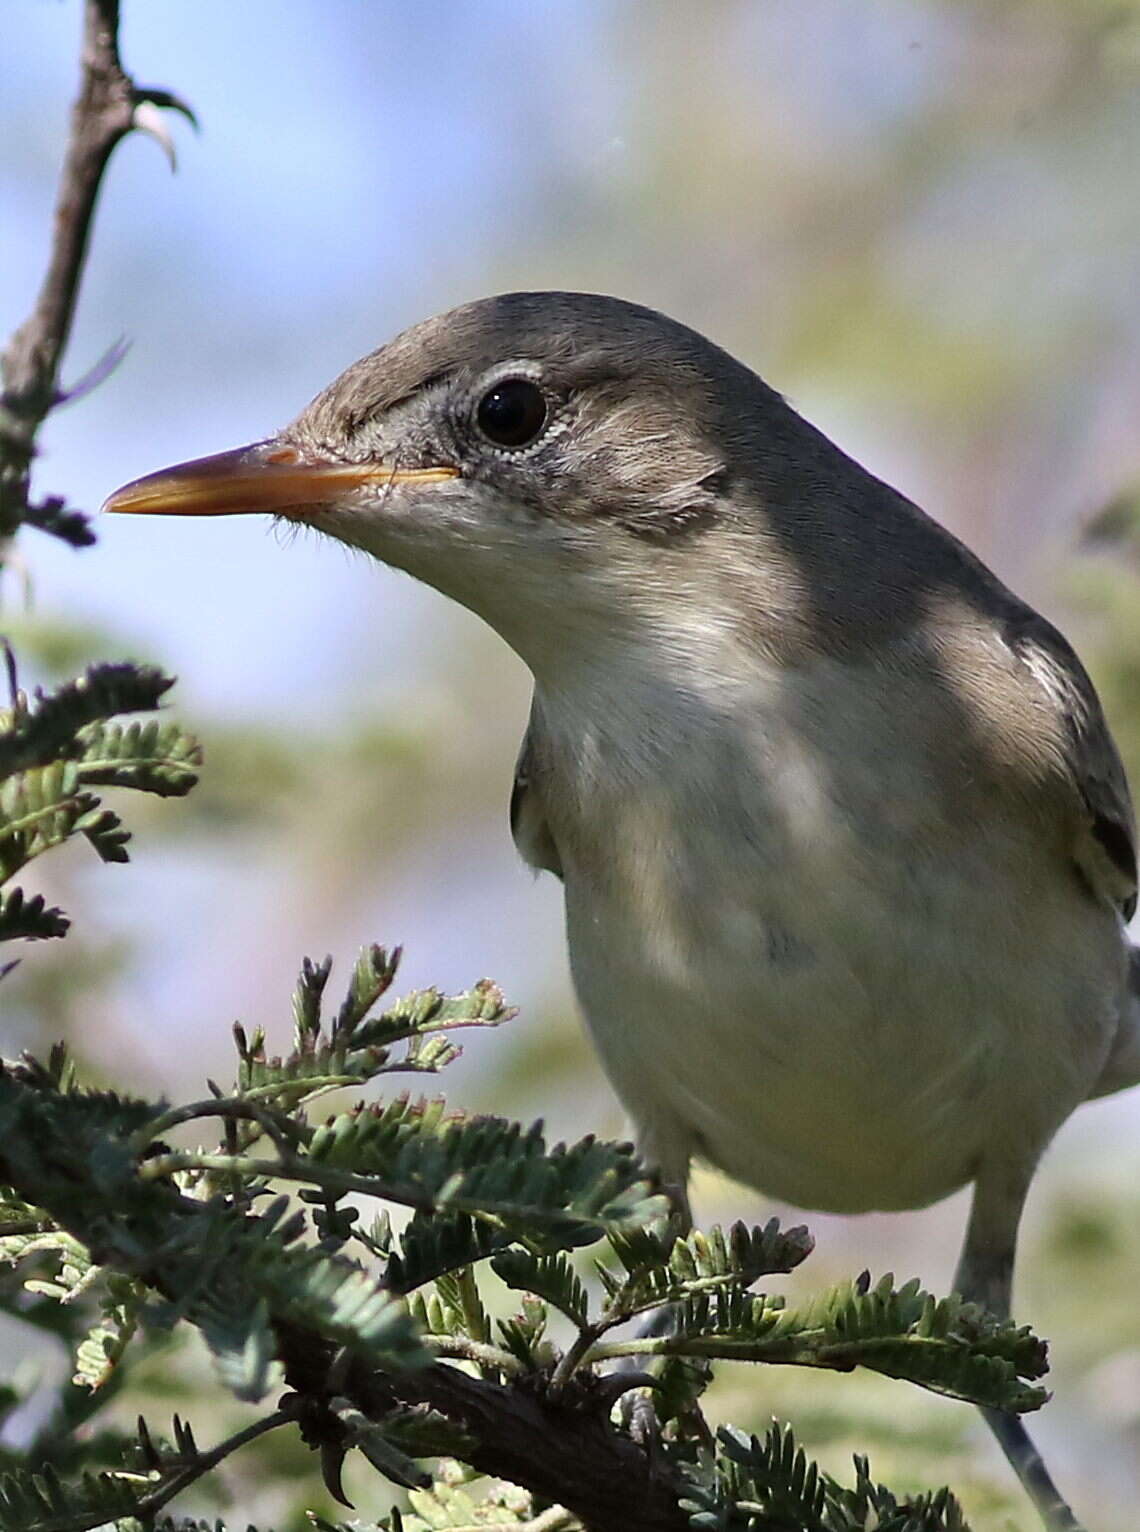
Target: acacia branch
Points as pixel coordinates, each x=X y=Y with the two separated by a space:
x=108 y=107
x=204 y=1463
x=563 y=1449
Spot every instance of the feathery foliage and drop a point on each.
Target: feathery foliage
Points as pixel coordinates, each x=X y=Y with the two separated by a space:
x=389 y=1345
x=769 y=1485
x=33 y=919
x=453 y=1506
x=56 y=747
x=42 y=1500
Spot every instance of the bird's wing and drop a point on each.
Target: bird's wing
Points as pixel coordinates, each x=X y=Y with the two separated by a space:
x=529 y=825
x=1105 y=850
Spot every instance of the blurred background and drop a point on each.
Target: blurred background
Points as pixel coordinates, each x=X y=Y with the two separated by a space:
x=920 y=221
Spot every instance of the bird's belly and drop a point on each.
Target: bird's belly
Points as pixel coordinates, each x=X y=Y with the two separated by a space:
x=783 y=1085
x=847 y=1059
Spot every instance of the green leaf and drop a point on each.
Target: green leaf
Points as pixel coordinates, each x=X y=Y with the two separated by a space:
x=868 y=1502
x=190 y=1524
x=357 y=1048
x=453 y=1508
x=423 y=1155
x=944 y=1345
x=38 y=810
x=52 y=515
x=153 y=757
x=42 y=1501
x=105 y=831
x=339 y=1301
x=356 y=1525
x=427 y=1010
x=307 y=1000
x=681 y=1381
x=102 y=1350
x=29 y=919
x=779 y=1475
x=459 y=1292
x=663 y=1268
x=385 y=1455
x=422 y=1432
x=54 y=749
x=39 y=733
x=522 y=1333
x=771 y=1486
x=435 y=1243
x=743 y=1255
x=550 y=1277
x=242 y=1343
x=363 y=1049
x=371 y=977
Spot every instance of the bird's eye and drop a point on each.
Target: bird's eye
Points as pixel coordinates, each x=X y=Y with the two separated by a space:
x=513 y=413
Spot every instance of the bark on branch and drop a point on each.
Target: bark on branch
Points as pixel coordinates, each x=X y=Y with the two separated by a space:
x=106 y=109
x=565 y=1451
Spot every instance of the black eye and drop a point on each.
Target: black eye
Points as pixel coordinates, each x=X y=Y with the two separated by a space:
x=513 y=413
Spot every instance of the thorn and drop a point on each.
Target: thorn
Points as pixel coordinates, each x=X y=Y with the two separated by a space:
x=92 y=378
x=146 y=118
x=332 y=1461
x=13 y=678
x=151 y=1456
x=339 y=1369
x=605 y=1391
x=168 y=102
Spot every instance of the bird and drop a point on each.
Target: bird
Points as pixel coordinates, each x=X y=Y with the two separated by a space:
x=847 y=849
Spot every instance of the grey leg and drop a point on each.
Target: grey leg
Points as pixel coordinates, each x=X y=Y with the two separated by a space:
x=637 y=1408
x=1027 y=1463
x=985 y=1276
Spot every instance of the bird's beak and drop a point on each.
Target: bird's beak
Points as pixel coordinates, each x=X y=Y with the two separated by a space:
x=268 y=476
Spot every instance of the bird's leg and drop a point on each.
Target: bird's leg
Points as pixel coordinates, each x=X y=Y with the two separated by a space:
x=985 y=1277
x=985 y=1267
x=673 y=1164
x=1029 y=1466
x=675 y=1184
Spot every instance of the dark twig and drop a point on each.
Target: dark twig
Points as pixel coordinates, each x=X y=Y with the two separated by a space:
x=204 y=1463
x=105 y=111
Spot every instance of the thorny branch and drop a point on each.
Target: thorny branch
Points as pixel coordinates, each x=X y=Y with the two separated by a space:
x=564 y=1450
x=108 y=107
x=205 y=1462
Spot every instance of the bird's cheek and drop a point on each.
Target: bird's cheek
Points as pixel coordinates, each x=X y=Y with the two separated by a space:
x=401 y=525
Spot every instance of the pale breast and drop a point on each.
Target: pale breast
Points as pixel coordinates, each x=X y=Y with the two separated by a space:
x=797 y=950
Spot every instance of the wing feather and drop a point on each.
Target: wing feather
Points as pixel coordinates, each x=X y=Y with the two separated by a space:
x=529 y=825
x=1105 y=848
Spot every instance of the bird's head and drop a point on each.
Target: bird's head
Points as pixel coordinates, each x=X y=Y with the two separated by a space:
x=550 y=460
